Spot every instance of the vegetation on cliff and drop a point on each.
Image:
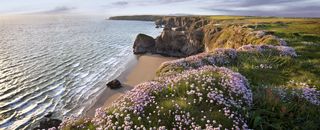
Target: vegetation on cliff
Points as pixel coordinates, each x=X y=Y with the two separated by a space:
x=235 y=36
x=252 y=85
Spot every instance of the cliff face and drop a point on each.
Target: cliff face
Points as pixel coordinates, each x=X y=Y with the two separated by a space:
x=183 y=22
x=143 y=44
x=137 y=17
x=185 y=36
x=181 y=36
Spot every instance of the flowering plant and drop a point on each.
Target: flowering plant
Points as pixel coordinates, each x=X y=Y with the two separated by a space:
x=204 y=98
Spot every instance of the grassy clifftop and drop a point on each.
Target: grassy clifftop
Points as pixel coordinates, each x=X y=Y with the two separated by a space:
x=257 y=86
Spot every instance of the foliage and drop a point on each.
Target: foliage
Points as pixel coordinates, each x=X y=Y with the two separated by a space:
x=284 y=90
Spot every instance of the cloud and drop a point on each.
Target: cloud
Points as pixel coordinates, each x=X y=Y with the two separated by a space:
x=302 y=8
x=171 y=1
x=144 y=2
x=292 y=8
x=60 y=9
x=250 y=3
x=120 y=3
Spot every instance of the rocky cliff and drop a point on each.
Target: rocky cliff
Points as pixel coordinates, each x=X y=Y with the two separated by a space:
x=181 y=36
x=185 y=36
x=137 y=17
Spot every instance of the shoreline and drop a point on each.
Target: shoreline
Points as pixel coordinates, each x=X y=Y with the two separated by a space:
x=139 y=69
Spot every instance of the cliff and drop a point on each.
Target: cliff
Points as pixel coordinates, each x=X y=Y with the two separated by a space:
x=184 y=36
x=137 y=17
x=181 y=36
x=247 y=79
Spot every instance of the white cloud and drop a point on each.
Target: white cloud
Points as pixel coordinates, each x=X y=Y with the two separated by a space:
x=206 y=7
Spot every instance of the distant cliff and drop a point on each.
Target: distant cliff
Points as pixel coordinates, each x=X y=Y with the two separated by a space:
x=137 y=17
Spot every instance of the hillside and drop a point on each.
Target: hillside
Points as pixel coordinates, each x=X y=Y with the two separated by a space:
x=248 y=73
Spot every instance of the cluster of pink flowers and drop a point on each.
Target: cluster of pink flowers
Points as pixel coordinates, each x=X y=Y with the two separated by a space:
x=311 y=95
x=136 y=99
x=222 y=56
x=233 y=82
x=218 y=57
x=281 y=50
x=305 y=91
x=74 y=121
x=301 y=90
x=214 y=86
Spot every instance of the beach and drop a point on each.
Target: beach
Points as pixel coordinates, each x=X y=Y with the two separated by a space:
x=139 y=69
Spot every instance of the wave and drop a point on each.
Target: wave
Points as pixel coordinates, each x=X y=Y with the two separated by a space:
x=55 y=66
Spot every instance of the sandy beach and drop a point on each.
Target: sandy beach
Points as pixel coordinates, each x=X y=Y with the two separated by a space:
x=140 y=69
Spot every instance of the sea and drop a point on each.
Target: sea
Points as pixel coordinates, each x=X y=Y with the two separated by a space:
x=51 y=63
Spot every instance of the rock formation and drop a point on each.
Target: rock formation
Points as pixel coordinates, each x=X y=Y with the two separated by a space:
x=114 y=84
x=143 y=44
x=185 y=36
x=181 y=36
x=137 y=17
x=47 y=122
x=183 y=21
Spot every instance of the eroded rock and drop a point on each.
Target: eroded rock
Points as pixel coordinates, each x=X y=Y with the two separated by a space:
x=114 y=84
x=143 y=44
x=47 y=122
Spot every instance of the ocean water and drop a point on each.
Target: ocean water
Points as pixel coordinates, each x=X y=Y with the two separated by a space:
x=52 y=63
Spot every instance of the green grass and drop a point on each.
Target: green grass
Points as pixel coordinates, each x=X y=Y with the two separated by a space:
x=271 y=109
x=270 y=112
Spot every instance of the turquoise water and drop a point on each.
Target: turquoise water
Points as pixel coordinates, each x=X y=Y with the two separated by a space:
x=51 y=63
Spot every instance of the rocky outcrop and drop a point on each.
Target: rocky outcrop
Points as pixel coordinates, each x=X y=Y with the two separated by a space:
x=143 y=44
x=137 y=17
x=182 y=21
x=170 y=43
x=181 y=36
x=185 y=36
x=114 y=84
x=47 y=122
x=179 y=43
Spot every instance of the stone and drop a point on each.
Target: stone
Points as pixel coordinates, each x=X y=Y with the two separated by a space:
x=114 y=84
x=47 y=122
x=143 y=44
x=181 y=36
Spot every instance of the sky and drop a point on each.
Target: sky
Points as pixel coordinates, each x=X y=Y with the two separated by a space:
x=290 y=8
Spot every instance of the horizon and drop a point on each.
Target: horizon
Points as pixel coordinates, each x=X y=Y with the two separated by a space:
x=282 y=8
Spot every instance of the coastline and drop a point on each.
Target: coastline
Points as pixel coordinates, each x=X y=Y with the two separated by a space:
x=139 y=69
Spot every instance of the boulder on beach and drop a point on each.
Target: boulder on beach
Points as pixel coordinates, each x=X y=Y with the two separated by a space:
x=143 y=44
x=47 y=122
x=114 y=84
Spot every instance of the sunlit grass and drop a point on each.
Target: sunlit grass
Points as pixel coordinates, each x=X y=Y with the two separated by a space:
x=277 y=82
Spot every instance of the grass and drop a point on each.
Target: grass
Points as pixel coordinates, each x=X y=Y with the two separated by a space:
x=276 y=83
x=269 y=110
